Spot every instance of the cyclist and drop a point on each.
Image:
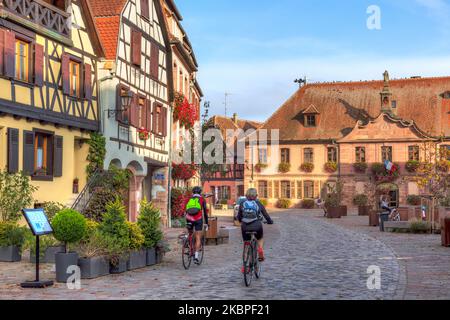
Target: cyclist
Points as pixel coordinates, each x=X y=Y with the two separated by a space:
x=250 y=215
x=197 y=218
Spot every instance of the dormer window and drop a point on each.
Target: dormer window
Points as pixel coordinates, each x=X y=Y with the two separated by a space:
x=310 y=120
x=310 y=116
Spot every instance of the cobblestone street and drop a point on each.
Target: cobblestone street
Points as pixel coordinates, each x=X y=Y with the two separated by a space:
x=307 y=258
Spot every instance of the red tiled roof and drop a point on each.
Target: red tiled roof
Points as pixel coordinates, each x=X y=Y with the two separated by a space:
x=342 y=104
x=107 y=20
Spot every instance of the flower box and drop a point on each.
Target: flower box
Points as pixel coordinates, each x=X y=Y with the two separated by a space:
x=284 y=167
x=151 y=257
x=307 y=167
x=412 y=166
x=360 y=167
x=10 y=254
x=260 y=166
x=92 y=268
x=331 y=167
x=144 y=134
x=119 y=266
x=138 y=260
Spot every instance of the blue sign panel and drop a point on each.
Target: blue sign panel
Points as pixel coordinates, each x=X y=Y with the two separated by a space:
x=159 y=176
x=38 y=221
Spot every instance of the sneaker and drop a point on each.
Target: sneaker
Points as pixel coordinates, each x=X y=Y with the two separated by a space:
x=261 y=255
x=196 y=261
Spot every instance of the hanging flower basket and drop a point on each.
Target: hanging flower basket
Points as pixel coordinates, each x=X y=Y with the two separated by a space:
x=183 y=171
x=184 y=112
x=331 y=167
x=307 y=167
x=144 y=134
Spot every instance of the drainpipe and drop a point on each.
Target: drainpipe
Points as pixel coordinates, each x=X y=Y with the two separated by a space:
x=169 y=176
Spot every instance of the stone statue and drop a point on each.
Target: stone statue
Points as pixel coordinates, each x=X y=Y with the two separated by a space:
x=386 y=76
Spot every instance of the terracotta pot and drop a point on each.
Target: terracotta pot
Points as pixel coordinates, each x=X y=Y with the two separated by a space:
x=364 y=211
x=334 y=213
x=374 y=219
x=343 y=211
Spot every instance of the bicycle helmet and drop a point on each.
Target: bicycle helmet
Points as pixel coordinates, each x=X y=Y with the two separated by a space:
x=252 y=194
x=197 y=190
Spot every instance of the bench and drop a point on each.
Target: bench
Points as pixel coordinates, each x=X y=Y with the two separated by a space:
x=389 y=226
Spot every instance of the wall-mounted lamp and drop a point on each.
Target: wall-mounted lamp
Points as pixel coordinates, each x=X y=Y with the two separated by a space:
x=125 y=99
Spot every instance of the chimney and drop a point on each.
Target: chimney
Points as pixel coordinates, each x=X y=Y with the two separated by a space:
x=235 y=118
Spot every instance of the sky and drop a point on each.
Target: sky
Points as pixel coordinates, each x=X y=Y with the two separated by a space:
x=255 y=49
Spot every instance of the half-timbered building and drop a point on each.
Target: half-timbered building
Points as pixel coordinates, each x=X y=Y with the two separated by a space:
x=135 y=84
x=48 y=94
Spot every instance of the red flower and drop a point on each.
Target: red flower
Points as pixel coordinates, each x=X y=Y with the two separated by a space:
x=183 y=171
x=185 y=112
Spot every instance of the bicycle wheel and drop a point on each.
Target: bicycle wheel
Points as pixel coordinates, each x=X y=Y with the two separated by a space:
x=202 y=251
x=257 y=264
x=186 y=253
x=248 y=265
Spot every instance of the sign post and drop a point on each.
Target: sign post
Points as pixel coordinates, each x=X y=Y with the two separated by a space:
x=40 y=226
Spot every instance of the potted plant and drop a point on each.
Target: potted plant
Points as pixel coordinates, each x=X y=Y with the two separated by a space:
x=360 y=167
x=143 y=134
x=331 y=167
x=76 y=186
x=138 y=255
x=92 y=250
x=333 y=203
x=284 y=204
x=150 y=223
x=361 y=201
x=412 y=166
x=12 y=239
x=48 y=248
x=307 y=167
x=69 y=227
x=308 y=204
x=284 y=167
x=117 y=235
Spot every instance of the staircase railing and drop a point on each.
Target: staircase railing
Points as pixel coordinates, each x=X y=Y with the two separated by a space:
x=85 y=196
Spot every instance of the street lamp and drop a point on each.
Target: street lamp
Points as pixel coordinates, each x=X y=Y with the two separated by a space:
x=125 y=99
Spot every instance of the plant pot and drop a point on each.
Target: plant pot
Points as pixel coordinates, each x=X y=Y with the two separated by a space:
x=363 y=211
x=151 y=257
x=48 y=256
x=63 y=261
x=94 y=267
x=334 y=213
x=374 y=218
x=159 y=256
x=120 y=267
x=343 y=211
x=10 y=254
x=138 y=260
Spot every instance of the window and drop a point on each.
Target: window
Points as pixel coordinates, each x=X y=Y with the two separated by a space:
x=22 y=60
x=332 y=154
x=224 y=193
x=285 y=190
x=445 y=152
x=74 y=72
x=262 y=157
x=310 y=120
x=157 y=120
x=360 y=154
x=308 y=154
x=308 y=190
x=386 y=154
x=413 y=153
x=263 y=189
x=394 y=104
x=43 y=155
x=285 y=155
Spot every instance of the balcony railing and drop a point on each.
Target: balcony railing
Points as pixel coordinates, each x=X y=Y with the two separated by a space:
x=38 y=15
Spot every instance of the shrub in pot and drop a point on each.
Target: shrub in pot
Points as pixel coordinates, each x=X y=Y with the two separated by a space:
x=116 y=232
x=12 y=240
x=149 y=221
x=48 y=248
x=69 y=227
x=138 y=256
x=92 y=250
x=361 y=201
x=284 y=204
x=333 y=203
x=308 y=204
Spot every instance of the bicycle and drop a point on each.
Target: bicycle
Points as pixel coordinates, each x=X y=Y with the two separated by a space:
x=250 y=260
x=395 y=216
x=188 y=251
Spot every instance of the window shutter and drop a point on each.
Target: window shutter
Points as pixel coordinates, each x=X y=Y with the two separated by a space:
x=148 y=115
x=316 y=189
x=299 y=190
x=164 y=121
x=292 y=189
x=50 y=165
x=154 y=61
x=145 y=12
x=87 y=82
x=13 y=150
x=28 y=152
x=65 y=61
x=2 y=50
x=276 y=186
x=58 y=165
x=154 y=118
x=38 y=65
x=136 y=49
x=9 y=58
x=134 y=112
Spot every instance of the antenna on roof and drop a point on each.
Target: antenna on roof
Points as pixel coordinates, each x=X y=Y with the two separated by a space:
x=301 y=82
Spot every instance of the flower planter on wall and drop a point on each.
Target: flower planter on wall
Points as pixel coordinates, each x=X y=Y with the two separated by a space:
x=151 y=257
x=63 y=261
x=10 y=254
x=138 y=260
x=94 y=267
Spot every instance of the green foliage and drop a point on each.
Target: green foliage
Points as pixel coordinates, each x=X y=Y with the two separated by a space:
x=307 y=167
x=69 y=226
x=284 y=204
x=331 y=167
x=361 y=200
x=414 y=200
x=149 y=221
x=420 y=227
x=412 y=166
x=114 y=227
x=284 y=167
x=97 y=153
x=264 y=202
x=308 y=204
x=179 y=223
x=334 y=198
x=12 y=235
x=52 y=208
x=44 y=243
x=93 y=244
x=360 y=167
x=16 y=193
x=136 y=236
x=98 y=203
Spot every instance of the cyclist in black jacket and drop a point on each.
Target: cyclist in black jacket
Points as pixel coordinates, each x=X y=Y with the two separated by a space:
x=254 y=225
